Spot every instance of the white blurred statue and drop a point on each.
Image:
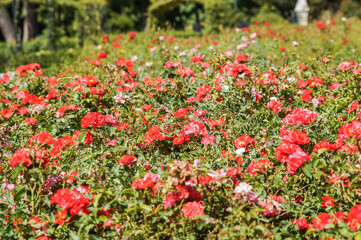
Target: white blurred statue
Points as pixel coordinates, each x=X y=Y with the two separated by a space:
x=301 y=11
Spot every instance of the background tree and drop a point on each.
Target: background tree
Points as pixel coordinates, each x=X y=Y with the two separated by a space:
x=26 y=19
x=31 y=25
x=6 y=25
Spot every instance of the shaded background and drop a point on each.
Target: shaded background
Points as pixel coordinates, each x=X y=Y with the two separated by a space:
x=32 y=18
x=40 y=26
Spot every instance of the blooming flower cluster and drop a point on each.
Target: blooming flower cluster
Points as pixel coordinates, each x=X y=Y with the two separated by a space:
x=247 y=134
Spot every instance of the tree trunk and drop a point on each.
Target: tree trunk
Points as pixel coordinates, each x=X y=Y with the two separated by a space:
x=6 y=25
x=197 y=14
x=143 y=9
x=197 y=25
x=50 y=25
x=30 y=22
x=16 y=6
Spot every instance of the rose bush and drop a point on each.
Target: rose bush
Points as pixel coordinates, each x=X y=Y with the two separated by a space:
x=244 y=135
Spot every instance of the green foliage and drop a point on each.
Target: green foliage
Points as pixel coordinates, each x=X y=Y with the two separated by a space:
x=218 y=14
x=269 y=13
x=38 y=51
x=240 y=99
x=221 y=15
x=119 y=22
x=351 y=8
x=5 y=3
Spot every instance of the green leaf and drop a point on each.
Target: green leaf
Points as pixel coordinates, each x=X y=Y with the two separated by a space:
x=345 y=233
x=9 y=198
x=261 y=228
x=318 y=174
x=89 y=227
x=357 y=236
x=16 y=172
x=74 y=236
x=140 y=139
x=315 y=162
x=155 y=156
x=103 y=218
x=145 y=207
x=81 y=137
x=96 y=199
x=307 y=170
x=33 y=224
x=122 y=148
x=131 y=209
x=128 y=191
x=322 y=150
x=19 y=193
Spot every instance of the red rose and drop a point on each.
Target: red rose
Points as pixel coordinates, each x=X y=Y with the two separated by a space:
x=108 y=223
x=349 y=130
x=328 y=202
x=146 y=107
x=143 y=183
x=275 y=106
x=243 y=58
x=6 y=113
x=21 y=156
x=297 y=137
x=60 y=217
x=292 y=155
x=88 y=138
x=192 y=209
x=90 y=80
x=325 y=144
x=43 y=138
x=243 y=141
x=122 y=126
x=203 y=90
x=208 y=139
x=354 y=217
x=30 y=121
x=126 y=160
x=306 y=95
x=132 y=35
x=181 y=112
x=70 y=200
x=322 y=220
x=302 y=224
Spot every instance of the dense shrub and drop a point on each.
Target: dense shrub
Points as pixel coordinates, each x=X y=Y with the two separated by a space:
x=249 y=134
